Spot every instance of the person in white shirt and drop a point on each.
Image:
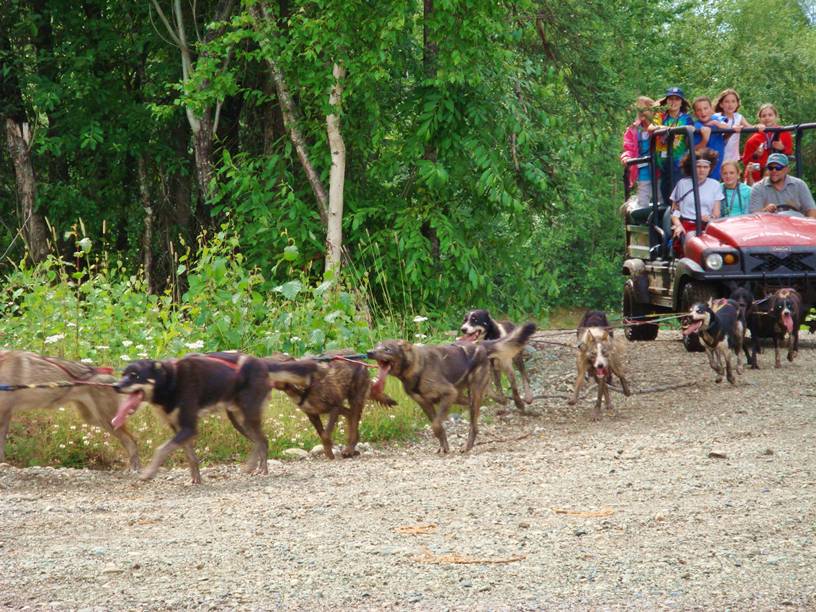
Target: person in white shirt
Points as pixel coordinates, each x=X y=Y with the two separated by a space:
x=682 y=198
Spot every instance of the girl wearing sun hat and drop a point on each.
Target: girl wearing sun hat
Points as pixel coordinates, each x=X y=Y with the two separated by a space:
x=675 y=115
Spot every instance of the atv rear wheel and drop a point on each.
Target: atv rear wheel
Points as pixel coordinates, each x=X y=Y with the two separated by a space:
x=632 y=309
x=693 y=293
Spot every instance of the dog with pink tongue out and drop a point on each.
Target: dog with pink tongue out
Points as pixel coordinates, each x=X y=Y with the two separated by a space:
x=722 y=332
x=438 y=376
x=183 y=389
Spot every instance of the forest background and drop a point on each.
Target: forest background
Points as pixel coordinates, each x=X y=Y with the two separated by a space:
x=201 y=175
x=475 y=143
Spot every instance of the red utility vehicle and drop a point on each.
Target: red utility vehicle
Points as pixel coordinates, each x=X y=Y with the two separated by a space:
x=765 y=251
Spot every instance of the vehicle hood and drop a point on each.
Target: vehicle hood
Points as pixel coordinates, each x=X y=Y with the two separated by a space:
x=762 y=230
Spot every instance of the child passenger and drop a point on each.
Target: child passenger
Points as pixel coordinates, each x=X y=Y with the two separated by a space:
x=710 y=136
x=762 y=144
x=636 y=144
x=682 y=198
x=675 y=115
x=736 y=194
x=727 y=104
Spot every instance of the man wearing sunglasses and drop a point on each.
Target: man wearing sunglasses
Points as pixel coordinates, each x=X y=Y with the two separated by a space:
x=779 y=192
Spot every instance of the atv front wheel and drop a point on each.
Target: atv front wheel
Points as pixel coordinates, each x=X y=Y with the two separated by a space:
x=632 y=309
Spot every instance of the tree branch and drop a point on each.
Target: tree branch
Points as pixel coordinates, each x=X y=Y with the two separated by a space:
x=290 y=122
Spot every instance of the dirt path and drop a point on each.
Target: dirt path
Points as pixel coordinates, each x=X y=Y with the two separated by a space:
x=703 y=497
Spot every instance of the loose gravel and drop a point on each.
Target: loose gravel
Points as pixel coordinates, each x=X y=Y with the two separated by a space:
x=693 y=498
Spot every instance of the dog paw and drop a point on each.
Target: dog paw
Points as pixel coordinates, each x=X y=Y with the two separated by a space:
x=348 y=454
x=719 y=379
x=571 y=402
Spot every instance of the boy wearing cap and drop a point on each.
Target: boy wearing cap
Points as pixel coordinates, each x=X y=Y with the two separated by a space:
x=778 y=191
x=675 y=115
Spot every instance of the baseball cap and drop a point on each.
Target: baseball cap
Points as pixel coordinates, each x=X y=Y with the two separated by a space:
x=777 y=158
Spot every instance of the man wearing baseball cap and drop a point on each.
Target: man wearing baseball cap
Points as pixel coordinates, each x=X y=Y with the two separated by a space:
x=778 y=191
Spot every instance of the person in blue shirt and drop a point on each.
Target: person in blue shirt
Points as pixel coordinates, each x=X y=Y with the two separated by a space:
x=710 y=136
x=737 y=195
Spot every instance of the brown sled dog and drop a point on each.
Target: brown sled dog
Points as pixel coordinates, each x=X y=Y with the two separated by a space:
x=96 y=405
x=184 y=388
x=437 y=376
x=600 y=356
x=336 y=388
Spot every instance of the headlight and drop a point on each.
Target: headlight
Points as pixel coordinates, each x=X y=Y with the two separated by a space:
x=714 y=261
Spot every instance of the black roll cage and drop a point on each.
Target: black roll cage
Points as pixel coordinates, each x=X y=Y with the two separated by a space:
x=690 y=131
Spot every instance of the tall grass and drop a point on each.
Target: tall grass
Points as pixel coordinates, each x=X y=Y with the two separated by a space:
x=94 y=310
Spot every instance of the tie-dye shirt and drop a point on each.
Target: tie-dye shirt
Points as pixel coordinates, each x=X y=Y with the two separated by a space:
x=680 y=145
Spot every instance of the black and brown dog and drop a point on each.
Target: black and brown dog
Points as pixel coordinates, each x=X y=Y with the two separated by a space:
x=594 y=318
x=337 y=388
x=721 y=330
x=477 y=326
x=785 y=314
x=747 y=309
x=437 y=376
x=183 y=388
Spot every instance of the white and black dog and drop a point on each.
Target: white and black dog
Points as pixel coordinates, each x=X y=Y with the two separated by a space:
x=478 y=325
x=722 y=331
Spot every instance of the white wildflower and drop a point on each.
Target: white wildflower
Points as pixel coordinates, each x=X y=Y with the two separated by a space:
x=420 y=319
x=194 y=346
x=294 y=339
x=62 y=446
x=54 y=338
x=70 y=324
x=124 y=358
x=86 y=360
x=420 y=336
x=102 y=347
x=141 y=355
x=127 y=343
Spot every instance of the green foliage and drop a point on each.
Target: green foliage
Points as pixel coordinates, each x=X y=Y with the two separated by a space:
x=481 y=137
x=94 y=311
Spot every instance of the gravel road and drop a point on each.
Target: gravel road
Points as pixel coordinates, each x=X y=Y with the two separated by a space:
x=699 y=497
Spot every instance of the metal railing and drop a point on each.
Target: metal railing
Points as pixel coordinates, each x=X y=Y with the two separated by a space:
x=689 y=131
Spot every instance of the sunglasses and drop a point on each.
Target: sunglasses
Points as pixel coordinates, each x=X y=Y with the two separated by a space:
x=776 y=168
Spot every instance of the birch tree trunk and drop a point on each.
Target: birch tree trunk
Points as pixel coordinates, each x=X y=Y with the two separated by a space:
x=34 y=231
x=290 y=122
x=203 y=126
x=147 y=236
x=337 y=175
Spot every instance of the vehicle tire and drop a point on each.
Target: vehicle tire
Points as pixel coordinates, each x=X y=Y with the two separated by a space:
x=691 y=294
x=633 y=308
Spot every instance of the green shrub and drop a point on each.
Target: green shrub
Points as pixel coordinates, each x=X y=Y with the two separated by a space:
x=93 y=310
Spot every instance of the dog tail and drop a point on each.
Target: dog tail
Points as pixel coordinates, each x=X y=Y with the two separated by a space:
x=511 y=344
x=297 y=372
